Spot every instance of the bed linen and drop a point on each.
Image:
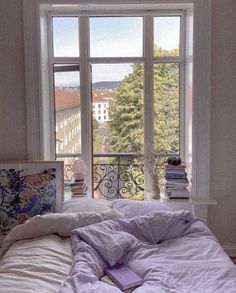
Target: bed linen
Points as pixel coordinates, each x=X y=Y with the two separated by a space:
x=171 y=251
x=36 y=256
x=36 y=266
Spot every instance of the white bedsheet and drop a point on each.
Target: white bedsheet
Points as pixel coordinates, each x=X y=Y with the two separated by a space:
x=38 y=265
x=37 y=256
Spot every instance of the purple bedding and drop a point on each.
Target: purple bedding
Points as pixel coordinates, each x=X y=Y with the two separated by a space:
x=171 y=251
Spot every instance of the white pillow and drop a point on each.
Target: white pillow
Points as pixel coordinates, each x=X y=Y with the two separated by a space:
x=133 y=208
x=77 y=205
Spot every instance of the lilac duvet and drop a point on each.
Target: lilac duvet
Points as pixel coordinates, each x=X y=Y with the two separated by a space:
x=171 y=251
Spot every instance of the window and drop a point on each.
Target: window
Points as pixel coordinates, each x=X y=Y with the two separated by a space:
x=197 y=152
x=148 y=114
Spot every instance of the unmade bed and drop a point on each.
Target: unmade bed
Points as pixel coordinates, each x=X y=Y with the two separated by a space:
x=68 y=251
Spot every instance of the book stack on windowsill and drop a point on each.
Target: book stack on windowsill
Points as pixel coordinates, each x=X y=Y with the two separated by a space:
x=78 y=188
x=176 y=181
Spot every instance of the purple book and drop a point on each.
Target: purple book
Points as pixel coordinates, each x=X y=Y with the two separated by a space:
x=123 y=276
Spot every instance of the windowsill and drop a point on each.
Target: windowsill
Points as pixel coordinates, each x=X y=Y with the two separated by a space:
x=184 y=201
x=175 y=204
x=210 y=201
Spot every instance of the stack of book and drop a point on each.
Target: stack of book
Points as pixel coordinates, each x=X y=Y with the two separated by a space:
x=78 y=188
x=176 y=181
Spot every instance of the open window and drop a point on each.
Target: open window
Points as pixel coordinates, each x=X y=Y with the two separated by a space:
x=135 y=67
x=190 y=62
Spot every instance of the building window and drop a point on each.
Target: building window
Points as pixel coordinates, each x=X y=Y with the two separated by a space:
x=65 y=121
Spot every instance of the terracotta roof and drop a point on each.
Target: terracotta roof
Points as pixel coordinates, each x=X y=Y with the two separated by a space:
x=101 y=99
x=65 y=98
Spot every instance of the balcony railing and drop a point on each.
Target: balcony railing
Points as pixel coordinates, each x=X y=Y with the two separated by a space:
x=117 y=175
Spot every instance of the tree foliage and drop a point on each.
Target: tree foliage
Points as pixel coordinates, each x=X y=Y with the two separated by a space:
x=126 y=109
x=126 y=114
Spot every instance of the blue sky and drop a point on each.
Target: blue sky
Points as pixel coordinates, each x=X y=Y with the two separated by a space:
x=111 y=37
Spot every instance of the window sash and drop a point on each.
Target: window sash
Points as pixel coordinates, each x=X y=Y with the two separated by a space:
x=148 y=59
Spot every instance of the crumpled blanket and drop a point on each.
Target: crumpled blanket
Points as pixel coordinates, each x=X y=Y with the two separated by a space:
x=171 y=251
x=98 y=246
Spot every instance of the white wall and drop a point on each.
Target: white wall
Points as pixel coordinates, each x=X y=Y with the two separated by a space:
x=223 y=122
x=222 y=218
x=12 y=89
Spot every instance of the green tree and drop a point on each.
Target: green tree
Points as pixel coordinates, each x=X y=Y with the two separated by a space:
x=126 y=114
x=95 y=124
x=97 y=137
x=166 y=107
x=126 y=109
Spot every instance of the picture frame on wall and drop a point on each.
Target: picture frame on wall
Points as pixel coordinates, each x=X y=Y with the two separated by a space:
x=29 y=188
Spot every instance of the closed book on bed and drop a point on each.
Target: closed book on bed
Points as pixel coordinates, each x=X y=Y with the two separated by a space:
x=123 y=276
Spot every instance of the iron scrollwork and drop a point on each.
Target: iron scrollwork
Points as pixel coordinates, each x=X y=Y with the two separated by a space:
x=119 y=181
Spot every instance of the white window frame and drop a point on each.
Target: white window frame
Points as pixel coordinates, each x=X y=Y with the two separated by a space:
x=147 y=59
x=198 y=11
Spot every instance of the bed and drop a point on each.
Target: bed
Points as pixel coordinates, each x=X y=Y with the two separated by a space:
x=68 y=251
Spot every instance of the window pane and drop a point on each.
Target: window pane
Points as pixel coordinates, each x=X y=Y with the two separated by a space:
x=116 y=36
x=65 y=37
x=118 y=135
x=68 y=117
x=166 y=36
x=166 y=107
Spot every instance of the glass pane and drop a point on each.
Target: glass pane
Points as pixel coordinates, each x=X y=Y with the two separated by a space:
x=117 y=94
x=166 y=108
x=65 y=37
x=166 y=36
x=116 y=36
x=68 y=117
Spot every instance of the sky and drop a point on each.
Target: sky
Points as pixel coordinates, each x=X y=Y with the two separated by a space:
x=110 y=37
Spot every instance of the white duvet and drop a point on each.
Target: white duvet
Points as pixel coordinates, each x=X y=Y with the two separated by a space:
x=36 y=256
x=38 y=265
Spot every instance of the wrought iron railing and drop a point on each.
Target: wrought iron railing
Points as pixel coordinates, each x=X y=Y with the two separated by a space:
x=117 y=175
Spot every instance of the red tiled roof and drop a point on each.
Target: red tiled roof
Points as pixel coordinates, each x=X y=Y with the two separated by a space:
x=101 y=99
x=65 y=98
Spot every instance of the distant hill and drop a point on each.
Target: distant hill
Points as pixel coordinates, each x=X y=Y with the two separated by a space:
x=106 y=84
